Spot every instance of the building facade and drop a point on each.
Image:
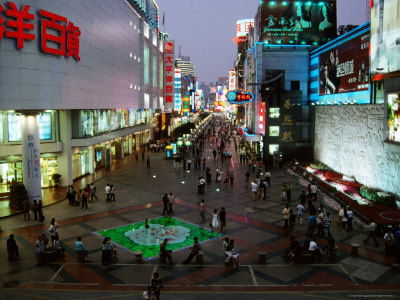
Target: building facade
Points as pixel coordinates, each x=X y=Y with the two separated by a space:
x=79 y=90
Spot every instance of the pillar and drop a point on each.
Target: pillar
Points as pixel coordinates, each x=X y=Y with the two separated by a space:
x=91 y=159
x=31 y=156
x=64 y=161
x=122 y=148
x=130 y=144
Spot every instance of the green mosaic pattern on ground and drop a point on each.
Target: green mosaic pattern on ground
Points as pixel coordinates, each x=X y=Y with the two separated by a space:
x=117 y=235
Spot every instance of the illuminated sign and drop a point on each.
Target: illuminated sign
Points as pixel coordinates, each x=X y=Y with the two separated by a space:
x=169 y=73
x=239 y=97
x=298 y=22
x=385 y=36
x=345 y=68
x=178 y=96
x=242 y=28
x=58 y=36
x=148 y=9
x=232 y=80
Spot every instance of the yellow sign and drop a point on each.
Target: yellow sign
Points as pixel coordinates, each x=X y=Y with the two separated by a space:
x=287 y=120
x=287 y=104
x=287 y=136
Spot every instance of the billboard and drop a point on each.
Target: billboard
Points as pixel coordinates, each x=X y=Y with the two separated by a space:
x=242 y=28
x=345 y=68
x=169 y=74
x=232 y=80
x=385 y=36
x=298 y=22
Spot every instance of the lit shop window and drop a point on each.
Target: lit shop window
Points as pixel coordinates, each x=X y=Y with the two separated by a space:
x=274 y=112
x=273 y=130
x=273 y=148
x=394 y=117
x=14 y=126
x=1 y=128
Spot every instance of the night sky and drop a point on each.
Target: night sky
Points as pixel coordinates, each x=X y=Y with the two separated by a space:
x=204 y=29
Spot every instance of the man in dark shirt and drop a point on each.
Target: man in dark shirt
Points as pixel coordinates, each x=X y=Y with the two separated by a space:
x=164 y=252
x=195 y=250
x=222 y=218
x=12 y=248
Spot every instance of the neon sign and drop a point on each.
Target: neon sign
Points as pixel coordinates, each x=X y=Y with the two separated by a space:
x=239 y=97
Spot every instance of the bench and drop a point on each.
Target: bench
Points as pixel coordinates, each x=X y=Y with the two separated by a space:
x=138 y=257
x=199 y=257
x=262 y=256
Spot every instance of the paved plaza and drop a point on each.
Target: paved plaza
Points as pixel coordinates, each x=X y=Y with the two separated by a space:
x=254 y=225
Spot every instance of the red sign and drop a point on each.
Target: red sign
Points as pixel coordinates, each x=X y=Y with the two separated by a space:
x=64 y=43
x=345 y=68
x=169 y=73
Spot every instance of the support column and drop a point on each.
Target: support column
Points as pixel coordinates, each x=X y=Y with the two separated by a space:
x=64 y=161
x=122 y=148
x=130 y=144
x=31 y=156
x=91 y=159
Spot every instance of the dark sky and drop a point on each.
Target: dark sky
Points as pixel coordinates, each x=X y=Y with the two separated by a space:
x=204 y=29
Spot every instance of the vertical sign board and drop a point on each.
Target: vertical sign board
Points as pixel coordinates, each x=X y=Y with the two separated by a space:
x=169 y=75
x=232 y=80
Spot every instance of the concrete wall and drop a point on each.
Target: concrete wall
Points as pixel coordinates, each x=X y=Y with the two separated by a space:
x=31 y=79
x=350 y=140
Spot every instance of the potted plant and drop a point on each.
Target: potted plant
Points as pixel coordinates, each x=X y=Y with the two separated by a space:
x=56 y=178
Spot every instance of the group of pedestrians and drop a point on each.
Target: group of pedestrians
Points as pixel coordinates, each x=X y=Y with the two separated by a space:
x=35 y=208
x=82 y=197
x=168 y=201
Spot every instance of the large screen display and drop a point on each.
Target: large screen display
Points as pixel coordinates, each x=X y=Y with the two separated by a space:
x=385 y=36
x=298 y=22
x=394 y=117
x=345 y=68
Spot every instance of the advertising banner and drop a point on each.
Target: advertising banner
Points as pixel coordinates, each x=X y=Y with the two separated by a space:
x=385 y=36
x=298 y=22
x=394 y=117
x=345 y=68
x=169 y=74
x=232 y=80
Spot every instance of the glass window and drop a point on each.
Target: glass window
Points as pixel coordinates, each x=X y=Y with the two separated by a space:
x=103 y=123
x=132 y=117
x=295 y=85
x=87 y=122
x=154 y=70
x=45 y=126
x=273 y=130
x=394 y=117
x=14 y=127
x=273 y=148
x=146 y=64
x=274 y=112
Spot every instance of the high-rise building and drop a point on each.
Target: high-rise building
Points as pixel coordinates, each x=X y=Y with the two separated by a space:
x=183 y=63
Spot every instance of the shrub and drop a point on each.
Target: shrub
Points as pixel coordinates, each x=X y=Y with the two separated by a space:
x=184 y=129
x=372 y=195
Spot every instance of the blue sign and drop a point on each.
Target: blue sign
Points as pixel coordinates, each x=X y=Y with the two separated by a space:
x=239 y=97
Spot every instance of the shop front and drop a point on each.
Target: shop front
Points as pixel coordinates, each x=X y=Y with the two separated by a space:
x=80 y=164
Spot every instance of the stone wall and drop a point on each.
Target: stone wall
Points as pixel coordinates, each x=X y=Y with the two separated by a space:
x=350 y=140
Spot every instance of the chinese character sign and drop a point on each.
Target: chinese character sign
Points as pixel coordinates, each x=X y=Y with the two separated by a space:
x=345 y=68
x=169 y=74
x=298 y=21
x=243 y=26
x=58 y=35
x=232 y=80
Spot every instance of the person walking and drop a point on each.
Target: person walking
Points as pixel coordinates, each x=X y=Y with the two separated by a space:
x=148 y=162
x=283 y=192
x=170 y=203
x=261 y=189
x=12 y=248
x=268 y=178
x=39 y=246
x=286 y=215
x=204 y=163
x=327 y=224
x=254 y=189
x=320 y=223
x=189 y=163
x=27 y=215
x=40 y=211
x=84 y=200
x=222 y=218
x=53 y=229
x=231 y=177
x=93 y=192
x=300 y=212
x=112 y=193
x=214 y=223
x=157 y=285
x=247 y=178
x=80 y=249
x=292 y=222
x=108 y=191
x=312 y=223
x=371 y=229
x=202 y=185
x=214 y=153
x=202 y=210
x=165 y=203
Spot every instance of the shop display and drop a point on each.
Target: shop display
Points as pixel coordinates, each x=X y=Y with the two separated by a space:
x=394 y=117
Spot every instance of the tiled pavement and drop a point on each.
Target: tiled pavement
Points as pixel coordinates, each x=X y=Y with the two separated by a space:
x=255 y=226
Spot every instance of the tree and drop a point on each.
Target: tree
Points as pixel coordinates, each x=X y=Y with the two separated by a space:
x=346 y=28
